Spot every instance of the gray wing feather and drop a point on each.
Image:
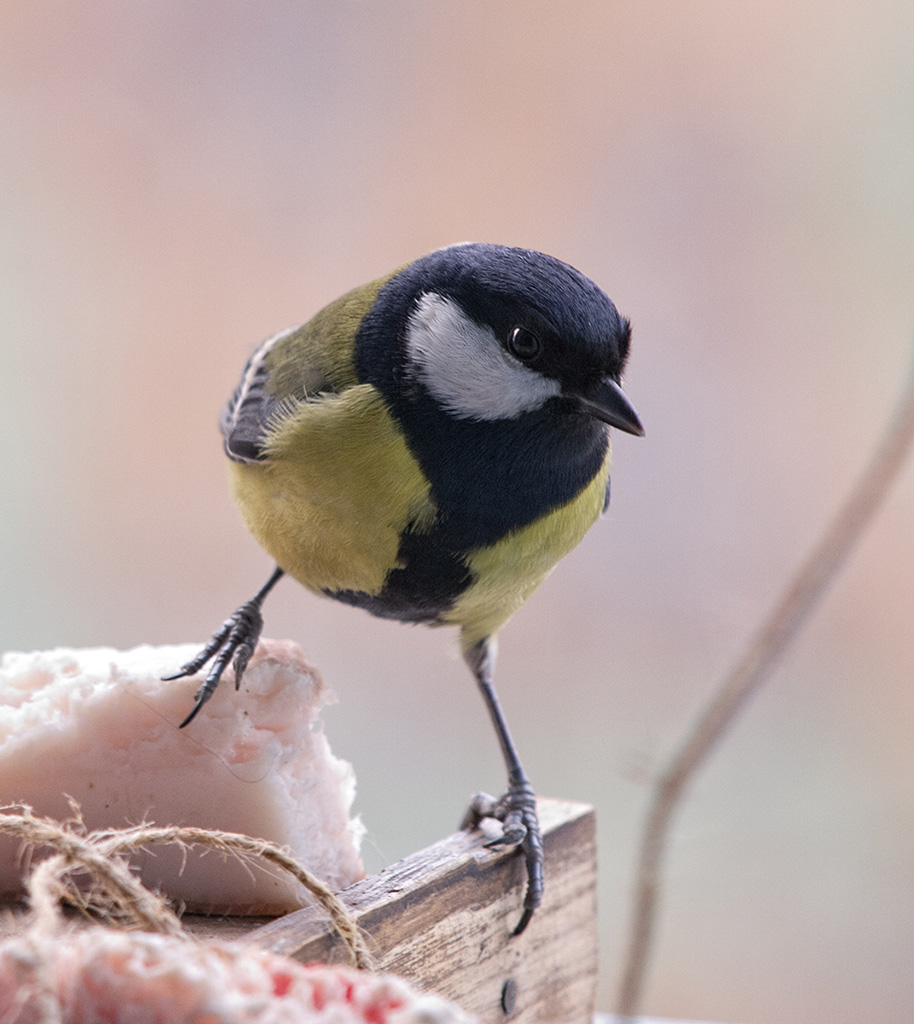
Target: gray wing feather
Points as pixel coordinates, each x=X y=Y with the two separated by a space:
x=245 y=415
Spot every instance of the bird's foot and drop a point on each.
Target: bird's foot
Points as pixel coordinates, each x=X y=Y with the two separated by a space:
x=236 y=638
x=516 y=810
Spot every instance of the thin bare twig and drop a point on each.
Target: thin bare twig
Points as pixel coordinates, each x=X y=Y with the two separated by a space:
x=746 y=677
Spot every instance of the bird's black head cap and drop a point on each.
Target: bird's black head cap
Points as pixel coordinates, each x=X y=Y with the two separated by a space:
x=505 y=425
x=579 y=333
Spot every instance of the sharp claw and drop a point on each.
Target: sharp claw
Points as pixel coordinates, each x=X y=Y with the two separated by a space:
x=514 y=832
x=193 y=713
x=195 y=664
x=185 y=670
x=240 y=664
x=534 y=858
x=506 y=839
x=516 y=810
x=237 y=637
x=524 y=920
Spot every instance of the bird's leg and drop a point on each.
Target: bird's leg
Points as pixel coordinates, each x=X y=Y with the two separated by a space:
x=237 y=636
x=516 y=809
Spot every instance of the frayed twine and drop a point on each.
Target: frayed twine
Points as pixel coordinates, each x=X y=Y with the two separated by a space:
x=114 y=896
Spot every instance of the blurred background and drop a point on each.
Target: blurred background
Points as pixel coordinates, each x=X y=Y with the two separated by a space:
x=179 y=180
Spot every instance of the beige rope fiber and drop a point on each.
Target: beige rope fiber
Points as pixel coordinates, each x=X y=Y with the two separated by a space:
x=116 y=897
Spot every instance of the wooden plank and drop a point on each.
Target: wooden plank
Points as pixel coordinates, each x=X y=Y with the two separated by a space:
x=443 y=918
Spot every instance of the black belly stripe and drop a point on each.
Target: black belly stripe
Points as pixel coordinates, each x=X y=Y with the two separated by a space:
x=429 y=583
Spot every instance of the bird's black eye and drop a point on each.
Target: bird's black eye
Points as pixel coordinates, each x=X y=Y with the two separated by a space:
x=523 y=344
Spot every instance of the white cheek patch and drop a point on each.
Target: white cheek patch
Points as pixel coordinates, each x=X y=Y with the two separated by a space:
x=465 y=368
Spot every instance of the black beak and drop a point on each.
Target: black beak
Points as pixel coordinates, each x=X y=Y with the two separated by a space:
x=609 y=403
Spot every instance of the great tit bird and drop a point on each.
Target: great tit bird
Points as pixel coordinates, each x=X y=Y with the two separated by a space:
x=427 y=448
